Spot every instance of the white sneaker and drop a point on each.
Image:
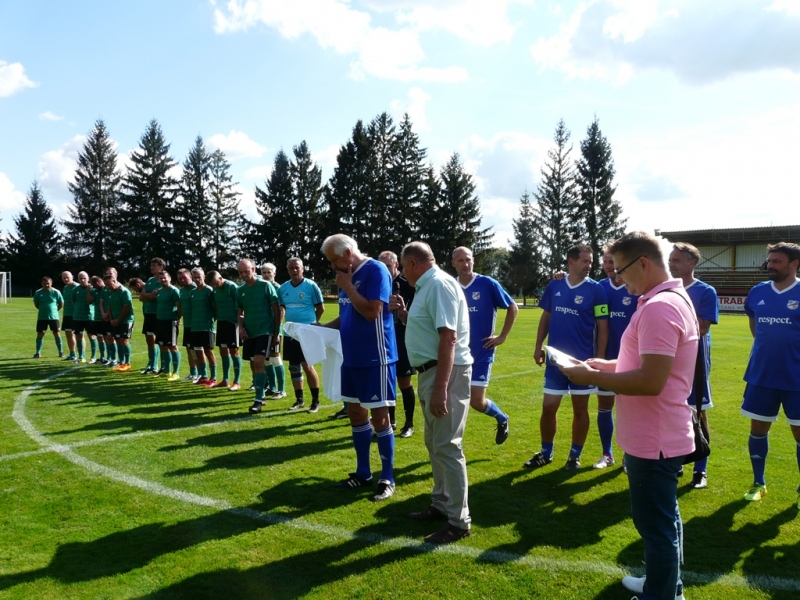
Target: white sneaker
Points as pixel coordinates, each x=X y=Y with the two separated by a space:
x=605 y=462
x=636 y=584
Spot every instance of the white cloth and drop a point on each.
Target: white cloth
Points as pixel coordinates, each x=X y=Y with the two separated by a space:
x=321 y=345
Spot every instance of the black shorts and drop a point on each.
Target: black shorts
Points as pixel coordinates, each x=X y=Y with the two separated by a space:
x=149 y=325
x=166 y=332
x=404 y=368
x=81 y=326
x=257 y=346
x=227 y=335
x=43 y=325
x=67 y=323
x=107 y=328
x=187 y=337
x=292 y=351
x=123 y=331
x=203 y=340
x=97 y=327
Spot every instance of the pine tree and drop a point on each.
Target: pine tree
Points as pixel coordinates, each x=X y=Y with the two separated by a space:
x=226 y=220
x=407 y=174
x=307 y=208
x=601 y=213
x=150 y=212
x=558 y=203
x=380 y=209
x=428 y=226
x=524 y=259
x=270 y=238
x=94 y=223
x=192 y=226
x=34 y=250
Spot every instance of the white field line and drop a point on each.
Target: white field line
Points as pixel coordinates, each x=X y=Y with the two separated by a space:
x=537 y=563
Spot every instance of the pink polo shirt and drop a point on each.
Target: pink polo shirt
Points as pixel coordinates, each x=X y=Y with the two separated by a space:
x=654 y=426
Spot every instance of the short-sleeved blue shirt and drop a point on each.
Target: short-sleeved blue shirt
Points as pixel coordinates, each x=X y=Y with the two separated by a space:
x=484 y=296
x=573 y=312
x=621 y=306
x=300 y=301
x=706 y=305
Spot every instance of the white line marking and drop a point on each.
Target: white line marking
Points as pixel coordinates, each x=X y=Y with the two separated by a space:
x=537 y=563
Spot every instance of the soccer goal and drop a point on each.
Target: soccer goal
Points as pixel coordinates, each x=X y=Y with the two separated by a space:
x=5 y=287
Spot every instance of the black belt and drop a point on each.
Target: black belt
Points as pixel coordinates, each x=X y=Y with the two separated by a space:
x=427 y=366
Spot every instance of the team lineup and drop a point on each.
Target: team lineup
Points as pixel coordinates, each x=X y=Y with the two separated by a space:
x=637 y=348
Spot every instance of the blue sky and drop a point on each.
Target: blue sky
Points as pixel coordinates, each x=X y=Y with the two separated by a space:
x=699 y=100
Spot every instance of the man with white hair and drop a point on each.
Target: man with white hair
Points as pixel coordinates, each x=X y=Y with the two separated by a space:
x=276 y=377
x=369 y=356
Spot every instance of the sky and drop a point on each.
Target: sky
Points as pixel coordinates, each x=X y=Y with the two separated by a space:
x=700 y=101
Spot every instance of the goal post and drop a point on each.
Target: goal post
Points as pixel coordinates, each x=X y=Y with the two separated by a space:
x=5 y=287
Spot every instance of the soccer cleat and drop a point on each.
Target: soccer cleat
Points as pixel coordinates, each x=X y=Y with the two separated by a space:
x=353 y=481
x=104 y=362
x=384 y=491
x=125 y=367
x=256 y=408
x=573 y=464
x=447 y=535
x=222 y=384
x=605 y=461
x=211 y=383
x=429 y=514
x=314 y=408
x=234 y=387
x=158 y=373
x=680 y=471
x=756 y=492
x=537 y=460
x=174 y=377
x=70 y=357
x=636 y=584
x=60 y=355
x=624 y=466
x=502 y=433
x=94 y=361
x=340 y=414
x=699 y=480
x=37 y=355
x=277 y=395
x=147 y=370
x=297 y=405
x=201 y=381
x=112 y=364
x=394 y=426
x=407 y=431
x=189 y=377
x=252 y=388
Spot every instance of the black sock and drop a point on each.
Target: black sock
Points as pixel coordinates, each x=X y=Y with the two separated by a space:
x=314 y=395
x=298 y=394
x=391 y=414
x=409 y=400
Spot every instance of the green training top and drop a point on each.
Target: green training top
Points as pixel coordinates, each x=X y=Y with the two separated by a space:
x=256 y=301
x=167 y=300
x=83 y=308
x=203 y=309
x=150 y=307
x=69 y=298
x=186 y=304
x=227 y=302
x=116 y=300
x=47 y=303
x=277 y=287
x=97 y=295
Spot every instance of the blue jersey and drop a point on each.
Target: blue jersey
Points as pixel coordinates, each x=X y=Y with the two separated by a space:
x=573 y=312
x=484 y=296
x=775 y=357
x=300 y=301
x=368 y=343
x=706 y=305
x=621 y=306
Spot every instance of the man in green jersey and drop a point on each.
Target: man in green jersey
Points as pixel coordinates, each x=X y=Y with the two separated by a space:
x=186 y=289
x=204 y=328
x=149 y=305
x=227 y=303
x=68 y=293
x=82 y=315
x=168 y=314
x=259 y=324
x=48 y=301
x=276 y=376
x=120 y=313
x=98 y=325
x=112 y=351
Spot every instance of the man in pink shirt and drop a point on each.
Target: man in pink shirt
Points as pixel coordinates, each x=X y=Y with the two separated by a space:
x=652 y=378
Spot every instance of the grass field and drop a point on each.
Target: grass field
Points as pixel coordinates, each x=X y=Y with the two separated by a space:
x=116 y=485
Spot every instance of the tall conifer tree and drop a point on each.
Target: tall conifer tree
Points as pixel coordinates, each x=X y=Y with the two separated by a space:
x=271 y=238
x=307 y=207
x=407 y=174
x=34 y=250
x=525 y=259
x=226 y=220
x=192 y=225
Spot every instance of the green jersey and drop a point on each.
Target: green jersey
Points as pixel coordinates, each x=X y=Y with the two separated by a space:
x=186 y=304
x=97 y=295
x=256 y=301
x=167 y=301
x=117 y=300
x=226 y=300
x=47 y=302
x=69 y=298
x=83 y=307
x=203 y=309
x=150 y=307
x=277 y=287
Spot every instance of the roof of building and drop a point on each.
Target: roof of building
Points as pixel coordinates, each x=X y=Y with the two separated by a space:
x=770 y=235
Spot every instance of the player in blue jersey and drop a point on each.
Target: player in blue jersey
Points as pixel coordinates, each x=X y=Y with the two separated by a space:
x=301 y=300
x=682 y=262
x=773 y=372
x=484 y=296
x=369 y=355
x=574 y=316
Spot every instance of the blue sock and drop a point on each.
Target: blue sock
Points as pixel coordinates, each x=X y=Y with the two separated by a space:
x=701 y=466
x=605 y=427
x=575 y=451
x=759 y=447
x=547 y=449
x=386 y=452
x=362 y=438
x=493 y=410
x=259 y=380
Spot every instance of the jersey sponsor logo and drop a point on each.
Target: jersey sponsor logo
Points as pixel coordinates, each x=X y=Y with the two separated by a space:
x=617 y=315
x=792 y=304
x=344 y=301
x=568 y=311
x=626 y=301
x=476 y=295
x=775 y=320
x=473 y=309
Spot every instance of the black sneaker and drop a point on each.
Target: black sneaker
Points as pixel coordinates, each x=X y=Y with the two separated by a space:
x=502 y=433
x=394 y=426
x=37 y=355
x=340 y=414
x=573 y=464
x=158 y=373
x=407 y=431
x=699 y=480
x=147 y=370
x=537 y=460
x=384 y=491
x=314 y=408
x=680 y=471
x=297 y=405
x=256 y=408
x=353 y=481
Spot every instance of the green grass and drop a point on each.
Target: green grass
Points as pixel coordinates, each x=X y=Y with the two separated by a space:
x=276 y=529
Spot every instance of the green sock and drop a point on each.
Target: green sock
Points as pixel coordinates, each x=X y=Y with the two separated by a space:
x=280 y=376
x=226 y=367
x=213 y=371
x=269 y=371
x=176 y=361
x=237 y=369
x=59 y=345
x=93 y=344
x=39 y=344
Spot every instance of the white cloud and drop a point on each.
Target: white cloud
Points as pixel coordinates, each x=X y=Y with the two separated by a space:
x=57 y=169
x=11 y=202
x=414 y=105
x=261 y=173
x=699 y=42
x=49 y=116
x=326 y=160
x=13 y=79
x=236 y=144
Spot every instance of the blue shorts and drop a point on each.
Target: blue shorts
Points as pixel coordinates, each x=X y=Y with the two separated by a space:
x=555 y=382
x=481 y=373
x=373 y=387
x=705 y=389
x=763 y=404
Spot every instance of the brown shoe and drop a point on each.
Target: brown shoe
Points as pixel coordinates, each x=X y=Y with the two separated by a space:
x=429 y=514
x=447 y=535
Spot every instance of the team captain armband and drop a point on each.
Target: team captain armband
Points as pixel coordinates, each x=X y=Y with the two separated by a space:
x=600 y=310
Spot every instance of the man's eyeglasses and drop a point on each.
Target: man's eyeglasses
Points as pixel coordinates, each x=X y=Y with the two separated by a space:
x=619 y=272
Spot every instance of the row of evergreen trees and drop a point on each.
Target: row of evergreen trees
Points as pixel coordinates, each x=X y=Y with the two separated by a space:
x=383 y=192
